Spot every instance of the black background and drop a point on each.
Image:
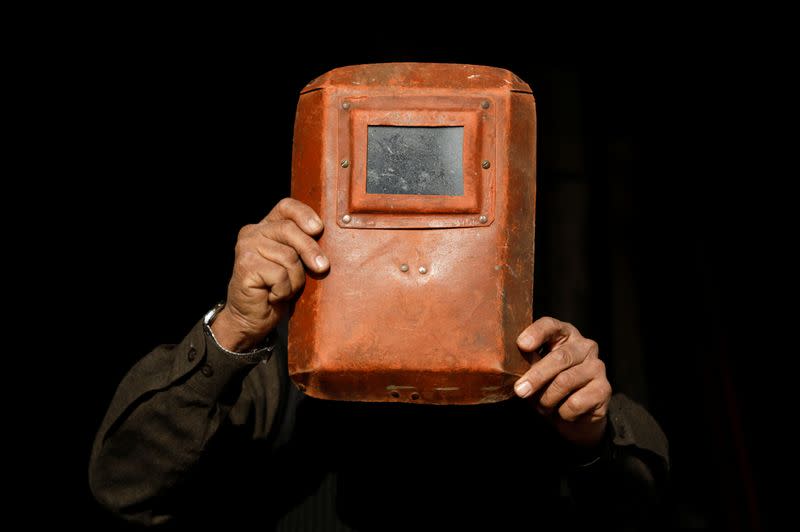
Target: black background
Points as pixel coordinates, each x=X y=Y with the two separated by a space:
x=655 y=221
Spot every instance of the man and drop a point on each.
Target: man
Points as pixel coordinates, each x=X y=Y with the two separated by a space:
x=211 y=430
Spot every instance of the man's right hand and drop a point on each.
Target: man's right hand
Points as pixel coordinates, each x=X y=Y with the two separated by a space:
x=268 y=272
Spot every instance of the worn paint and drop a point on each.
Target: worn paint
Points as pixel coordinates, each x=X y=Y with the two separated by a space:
x=448 y=334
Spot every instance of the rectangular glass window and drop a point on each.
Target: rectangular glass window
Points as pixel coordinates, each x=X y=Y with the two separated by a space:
x=415 y=160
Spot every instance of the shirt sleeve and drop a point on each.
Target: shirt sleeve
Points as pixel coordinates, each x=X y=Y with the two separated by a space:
x=166 y=411
x=624 y=486
x=635 y=430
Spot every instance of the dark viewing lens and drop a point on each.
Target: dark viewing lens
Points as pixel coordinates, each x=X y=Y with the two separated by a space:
x=415 y=160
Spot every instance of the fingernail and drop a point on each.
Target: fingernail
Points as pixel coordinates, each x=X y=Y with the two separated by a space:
x=314 y=224
x=321 y=261
x=523 y=388
x=525 y=342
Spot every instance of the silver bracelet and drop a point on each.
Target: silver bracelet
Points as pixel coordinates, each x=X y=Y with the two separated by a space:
x=254 y=355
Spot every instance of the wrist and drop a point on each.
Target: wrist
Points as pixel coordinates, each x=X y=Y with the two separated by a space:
x=231 y=334
x=599 y=451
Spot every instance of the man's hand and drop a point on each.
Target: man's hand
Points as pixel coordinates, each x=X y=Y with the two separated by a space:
x=568 y=383
x=268 y=272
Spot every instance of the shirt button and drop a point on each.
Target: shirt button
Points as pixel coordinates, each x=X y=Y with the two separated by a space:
x=192 y=354
x=207 y=370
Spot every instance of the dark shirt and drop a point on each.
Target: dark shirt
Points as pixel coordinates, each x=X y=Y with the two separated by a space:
x=197 y=437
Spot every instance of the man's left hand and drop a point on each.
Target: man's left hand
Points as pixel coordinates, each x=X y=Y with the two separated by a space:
x=568 y=383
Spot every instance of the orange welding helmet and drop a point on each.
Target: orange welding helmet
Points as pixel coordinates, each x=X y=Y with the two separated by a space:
x=424 y=175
